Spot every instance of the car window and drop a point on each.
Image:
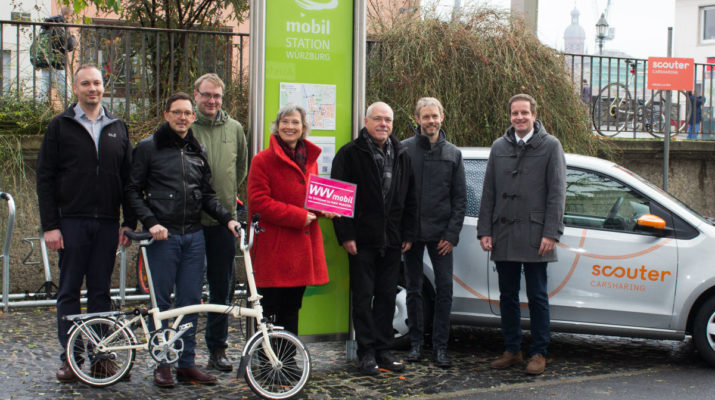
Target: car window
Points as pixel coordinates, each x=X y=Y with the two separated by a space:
x=474 y=171
x=599 y=202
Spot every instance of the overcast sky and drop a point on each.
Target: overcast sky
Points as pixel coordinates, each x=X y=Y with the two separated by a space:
x=641 y=26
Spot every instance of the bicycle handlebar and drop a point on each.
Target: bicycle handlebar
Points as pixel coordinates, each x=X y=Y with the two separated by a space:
x=137 y=236
x=241 y=228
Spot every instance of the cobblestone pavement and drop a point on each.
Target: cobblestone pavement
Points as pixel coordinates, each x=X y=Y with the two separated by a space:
x=29 y=359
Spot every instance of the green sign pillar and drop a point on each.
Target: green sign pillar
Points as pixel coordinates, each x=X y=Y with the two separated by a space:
x=312 y=52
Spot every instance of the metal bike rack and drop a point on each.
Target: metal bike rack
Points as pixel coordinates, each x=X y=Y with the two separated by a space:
x=48 y=287
x=121 y=294
x=6 y=249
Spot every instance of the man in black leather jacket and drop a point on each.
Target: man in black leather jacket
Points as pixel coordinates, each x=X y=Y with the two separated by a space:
x=168 y=188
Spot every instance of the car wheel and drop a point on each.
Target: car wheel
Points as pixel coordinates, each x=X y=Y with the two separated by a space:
x=704 y=331
x=399 y=321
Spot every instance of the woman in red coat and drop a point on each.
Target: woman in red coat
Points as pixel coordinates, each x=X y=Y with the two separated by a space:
x=289 y=255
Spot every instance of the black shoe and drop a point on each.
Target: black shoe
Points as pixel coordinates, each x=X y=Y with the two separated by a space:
x=65 y=375
x=440 y=358
x=415 y=353
x=389 y=362
x=218 y=361
x=368 y=365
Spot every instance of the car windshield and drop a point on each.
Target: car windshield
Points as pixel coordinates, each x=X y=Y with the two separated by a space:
x=707 y=220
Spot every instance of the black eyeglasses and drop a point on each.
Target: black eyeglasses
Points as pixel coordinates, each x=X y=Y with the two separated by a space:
x=210 y=96
x=179 y=113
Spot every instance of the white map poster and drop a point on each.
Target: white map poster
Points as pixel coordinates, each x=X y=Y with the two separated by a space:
x=317 y=100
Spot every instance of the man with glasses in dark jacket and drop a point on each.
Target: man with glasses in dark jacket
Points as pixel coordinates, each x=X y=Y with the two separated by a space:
x=383 y=228
x=441 y=203
x=169 y=186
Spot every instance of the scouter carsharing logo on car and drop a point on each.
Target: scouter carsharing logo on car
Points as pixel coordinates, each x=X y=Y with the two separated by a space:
x=627 y=278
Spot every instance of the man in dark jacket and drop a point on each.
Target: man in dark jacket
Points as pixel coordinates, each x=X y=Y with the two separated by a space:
x=82 y=168
x=520 y=221
x=168 y=188
x=441 y=203
x=383 y=227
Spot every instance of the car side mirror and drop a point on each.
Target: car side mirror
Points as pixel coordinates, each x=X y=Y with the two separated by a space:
x=653 y=224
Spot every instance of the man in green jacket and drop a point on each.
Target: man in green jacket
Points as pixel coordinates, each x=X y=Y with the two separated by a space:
x=226 y=151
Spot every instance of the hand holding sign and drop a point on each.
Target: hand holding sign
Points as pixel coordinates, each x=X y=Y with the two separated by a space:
x=310 y=217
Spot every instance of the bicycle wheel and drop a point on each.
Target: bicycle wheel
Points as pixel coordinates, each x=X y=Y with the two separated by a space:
x=654 y=120
x=612 y=109
x=281 y=382
x=142 y=280
x=680 y=111
x=100 y=368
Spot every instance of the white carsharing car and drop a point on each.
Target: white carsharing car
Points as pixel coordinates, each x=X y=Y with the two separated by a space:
x=633 y=261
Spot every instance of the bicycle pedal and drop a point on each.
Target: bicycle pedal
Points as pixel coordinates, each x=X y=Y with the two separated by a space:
x=186 y=326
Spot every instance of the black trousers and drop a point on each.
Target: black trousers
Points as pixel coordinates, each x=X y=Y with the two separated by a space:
x=283 y=304
x=373 y=283
x=90 y=246
x=220 y=267
x=442 y=268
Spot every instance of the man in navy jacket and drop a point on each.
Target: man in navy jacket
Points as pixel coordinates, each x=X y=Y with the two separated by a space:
x=441 y=203
x=82 y=168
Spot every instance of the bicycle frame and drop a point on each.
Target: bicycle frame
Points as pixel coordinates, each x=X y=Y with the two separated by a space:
x=255 y=311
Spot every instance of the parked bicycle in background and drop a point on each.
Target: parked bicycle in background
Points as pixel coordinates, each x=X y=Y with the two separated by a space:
x=629 y=107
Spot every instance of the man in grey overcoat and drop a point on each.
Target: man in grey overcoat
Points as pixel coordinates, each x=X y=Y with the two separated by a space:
x=520 y=221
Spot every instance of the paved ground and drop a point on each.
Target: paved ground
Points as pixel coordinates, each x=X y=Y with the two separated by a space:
x=29 y=358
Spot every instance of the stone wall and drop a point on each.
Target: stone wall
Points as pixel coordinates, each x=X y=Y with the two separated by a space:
x=689 y=176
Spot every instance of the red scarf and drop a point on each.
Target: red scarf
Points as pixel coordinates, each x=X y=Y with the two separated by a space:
x=298 y=155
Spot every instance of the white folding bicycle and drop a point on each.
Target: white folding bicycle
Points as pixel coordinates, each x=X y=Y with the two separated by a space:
x=102 y=346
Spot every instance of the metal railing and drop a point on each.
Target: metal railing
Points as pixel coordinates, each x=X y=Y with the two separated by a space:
x=46 y=295
x=619 y=102
x=140 y=66
x=6 y=248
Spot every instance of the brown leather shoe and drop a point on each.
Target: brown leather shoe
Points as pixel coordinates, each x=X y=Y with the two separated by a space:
x=219 y=361
x=106 y=368
x=193 y=374
x=64 y=374
x=507 y=360
x=163 y=378
x=536 y=365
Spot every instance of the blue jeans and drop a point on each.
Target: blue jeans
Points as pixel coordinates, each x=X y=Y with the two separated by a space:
x=442 y=266
x=509 y=281
x=179 y=261
x=693 y=130
x=55 y=79
x=220 y=253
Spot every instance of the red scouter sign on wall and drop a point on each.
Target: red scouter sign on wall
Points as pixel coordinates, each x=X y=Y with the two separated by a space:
x=668 y=73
